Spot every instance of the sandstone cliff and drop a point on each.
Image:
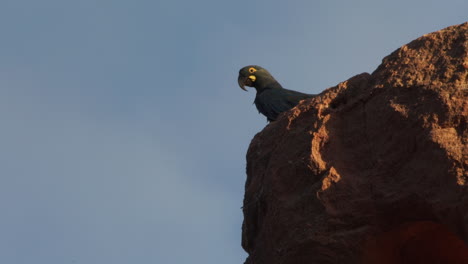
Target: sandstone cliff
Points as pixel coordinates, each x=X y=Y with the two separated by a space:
x=373 y=170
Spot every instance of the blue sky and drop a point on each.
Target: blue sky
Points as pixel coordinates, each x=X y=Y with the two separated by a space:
x=123 y=132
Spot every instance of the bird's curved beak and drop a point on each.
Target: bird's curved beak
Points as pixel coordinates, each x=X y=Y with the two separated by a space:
x=241 y=80
x=245 y=81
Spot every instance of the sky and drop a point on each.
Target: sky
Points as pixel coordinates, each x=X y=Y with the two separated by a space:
x=124 y=132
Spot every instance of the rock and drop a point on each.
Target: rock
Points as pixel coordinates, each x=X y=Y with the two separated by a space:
x=373 y=170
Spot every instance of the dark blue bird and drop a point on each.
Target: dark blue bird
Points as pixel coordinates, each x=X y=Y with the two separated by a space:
x=271 y=99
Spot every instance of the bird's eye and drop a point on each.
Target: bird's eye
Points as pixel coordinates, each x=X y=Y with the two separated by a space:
x=252 y=70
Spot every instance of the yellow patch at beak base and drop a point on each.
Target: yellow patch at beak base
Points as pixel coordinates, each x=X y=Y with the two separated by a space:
x=252 y=78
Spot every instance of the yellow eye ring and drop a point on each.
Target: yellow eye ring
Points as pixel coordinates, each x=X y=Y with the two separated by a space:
x=252 y=70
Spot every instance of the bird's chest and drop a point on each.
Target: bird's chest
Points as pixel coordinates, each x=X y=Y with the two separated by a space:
x=261 y=102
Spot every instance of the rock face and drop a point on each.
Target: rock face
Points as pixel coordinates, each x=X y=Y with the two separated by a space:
x=373 y=170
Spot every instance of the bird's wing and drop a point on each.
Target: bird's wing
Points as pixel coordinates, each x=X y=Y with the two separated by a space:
x=295 y=97
x=275 y=101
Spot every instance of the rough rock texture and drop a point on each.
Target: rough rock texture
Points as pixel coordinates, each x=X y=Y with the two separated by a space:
x=373 y=170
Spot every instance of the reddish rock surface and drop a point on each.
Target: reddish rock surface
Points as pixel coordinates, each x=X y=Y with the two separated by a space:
x=373 y=170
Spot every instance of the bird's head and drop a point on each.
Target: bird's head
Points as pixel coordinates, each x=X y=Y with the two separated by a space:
x=257 y=77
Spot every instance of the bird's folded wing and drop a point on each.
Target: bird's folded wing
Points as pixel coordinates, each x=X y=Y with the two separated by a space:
x=273 y=102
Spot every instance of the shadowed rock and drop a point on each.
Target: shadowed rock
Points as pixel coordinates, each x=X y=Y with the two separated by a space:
x=367 y=169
